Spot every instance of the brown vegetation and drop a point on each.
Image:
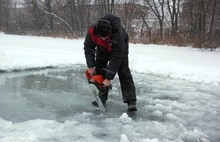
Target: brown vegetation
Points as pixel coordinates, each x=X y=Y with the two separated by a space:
x=174 y=22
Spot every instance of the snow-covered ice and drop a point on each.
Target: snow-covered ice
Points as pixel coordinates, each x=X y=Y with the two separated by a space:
x=178 y=92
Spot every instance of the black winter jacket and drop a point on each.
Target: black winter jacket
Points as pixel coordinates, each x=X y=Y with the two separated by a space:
x=115 y=48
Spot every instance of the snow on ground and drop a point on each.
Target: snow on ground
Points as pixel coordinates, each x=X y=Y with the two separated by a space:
x=22 y=52
x=176 y=62
x=181 y=102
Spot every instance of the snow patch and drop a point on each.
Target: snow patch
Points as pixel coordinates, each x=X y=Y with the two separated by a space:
x=124 y=138
x=125 y=119
x=194 y=136
x=1 y=33
x=149 y=140
x=157 y=113
x=171 y=116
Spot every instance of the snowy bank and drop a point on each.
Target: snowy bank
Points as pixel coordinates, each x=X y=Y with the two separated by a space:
x=25 y=52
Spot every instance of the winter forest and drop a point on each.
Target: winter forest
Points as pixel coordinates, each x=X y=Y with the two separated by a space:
x=175 y=22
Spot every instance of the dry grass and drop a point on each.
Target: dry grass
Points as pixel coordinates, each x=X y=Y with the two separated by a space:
x=182 y=40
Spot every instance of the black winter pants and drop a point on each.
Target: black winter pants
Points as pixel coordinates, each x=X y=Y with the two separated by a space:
x=125 y=78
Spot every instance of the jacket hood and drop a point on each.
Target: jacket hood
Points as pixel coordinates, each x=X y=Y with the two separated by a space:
x=115 y=21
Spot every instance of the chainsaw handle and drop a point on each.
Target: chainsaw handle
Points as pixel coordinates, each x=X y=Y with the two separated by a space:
x=101 y=87
x=107 y=87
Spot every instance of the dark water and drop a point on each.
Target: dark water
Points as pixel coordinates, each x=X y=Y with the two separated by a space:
x=55 y=94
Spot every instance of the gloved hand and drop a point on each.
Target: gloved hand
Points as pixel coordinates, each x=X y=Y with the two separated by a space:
x=91 y=71
x=106 y=82
x=98 y=80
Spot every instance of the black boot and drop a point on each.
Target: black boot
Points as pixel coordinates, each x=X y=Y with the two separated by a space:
x=132 y=106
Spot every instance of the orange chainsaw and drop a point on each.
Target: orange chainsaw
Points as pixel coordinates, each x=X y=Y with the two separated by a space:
x=97 y=88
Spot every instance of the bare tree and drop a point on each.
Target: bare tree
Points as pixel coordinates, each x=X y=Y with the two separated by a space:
x=5 y=15
x=174 y=9
x=129 y=9
x=214 y=35
x=144 y=15
x=37 y=20
x=213 y=13
x=48 y=9
x=157 y=7
x=201 y=17
x=112 y=6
